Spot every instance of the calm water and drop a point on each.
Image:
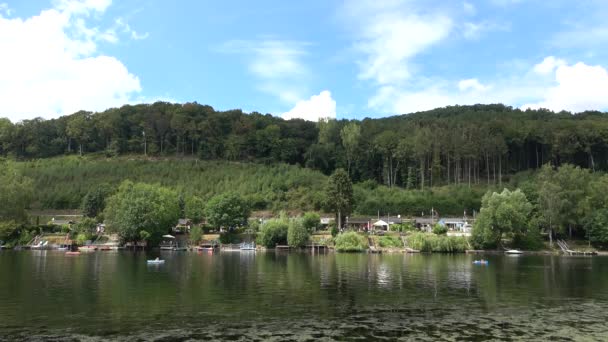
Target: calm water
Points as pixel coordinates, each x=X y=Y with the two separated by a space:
x=266 y=296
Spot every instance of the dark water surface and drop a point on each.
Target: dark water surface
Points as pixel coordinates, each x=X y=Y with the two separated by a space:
x=45 y=295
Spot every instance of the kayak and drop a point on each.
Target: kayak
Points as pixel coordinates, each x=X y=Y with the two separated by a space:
x=480 y=262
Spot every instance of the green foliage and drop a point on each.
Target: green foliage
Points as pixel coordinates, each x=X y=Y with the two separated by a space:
x=194 y=208
x=274 y=232
x=530 y=241
x=136 y=207
x=81 y=239
x=507 y=212
x=389 y=241
x=196 y=235
x=334 y=230
x=227 y=211
x=87 y=225
x=144 y=235
x=297 y=234
x=9 y=230
x=339 y=194
x=15 y=194
x=597 y=227
x=94 y=202
x=229 y=237
x=311 y=221
x=440 y=229
x=350 y=242
x=426 y=242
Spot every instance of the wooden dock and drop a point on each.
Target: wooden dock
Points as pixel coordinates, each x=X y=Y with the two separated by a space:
x=566 y=249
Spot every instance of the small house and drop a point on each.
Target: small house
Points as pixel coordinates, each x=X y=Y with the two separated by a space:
x=183 y=226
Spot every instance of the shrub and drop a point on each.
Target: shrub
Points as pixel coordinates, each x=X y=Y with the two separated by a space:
x=530 y=241
x=229 y=237
x=425 y=242
x=273 y=232
x=297 y=234
x=196 y=234
x=390 y=241
x=311 y=221
x=440 y=229
x=351 y=242
x=334 y=230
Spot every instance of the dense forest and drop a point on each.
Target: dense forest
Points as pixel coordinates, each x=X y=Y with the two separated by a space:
x=466 y=145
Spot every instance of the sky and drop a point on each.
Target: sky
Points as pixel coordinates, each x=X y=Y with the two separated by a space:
x=302 y=59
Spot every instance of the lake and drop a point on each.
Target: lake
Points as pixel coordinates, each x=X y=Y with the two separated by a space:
x=298 y=296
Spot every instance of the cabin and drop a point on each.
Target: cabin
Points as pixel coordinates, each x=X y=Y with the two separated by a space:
x=183 y=226
x=453 y=223
x=424 y=223
x=372 y=223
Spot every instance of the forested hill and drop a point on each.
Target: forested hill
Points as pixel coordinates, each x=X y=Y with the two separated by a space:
x=460 y=144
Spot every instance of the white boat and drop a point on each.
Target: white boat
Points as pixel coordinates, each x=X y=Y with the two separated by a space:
x=513 y=251
x=156 y=261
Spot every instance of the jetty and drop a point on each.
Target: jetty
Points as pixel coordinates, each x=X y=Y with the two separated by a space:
x=566 y=249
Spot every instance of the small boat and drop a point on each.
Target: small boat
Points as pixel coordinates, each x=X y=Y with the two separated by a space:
x=156 y=261
x=513 y=251
x=480 y=262
x=72 y=253
x=247 y=246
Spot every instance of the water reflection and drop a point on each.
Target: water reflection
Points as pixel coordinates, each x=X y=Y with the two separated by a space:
x=334 y=295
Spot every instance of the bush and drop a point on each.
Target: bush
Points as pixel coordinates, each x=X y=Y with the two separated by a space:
x=390 y=241
x=229 y=237
x=196 y=235
x=531 y=241
x=311 y=221
x=425 y=242
x=334 y=230
x=273 y=232
x=297 y=234
x=351 y=242
x=440 y=229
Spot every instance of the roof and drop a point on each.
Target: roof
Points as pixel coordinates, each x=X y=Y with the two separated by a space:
x=183 y=222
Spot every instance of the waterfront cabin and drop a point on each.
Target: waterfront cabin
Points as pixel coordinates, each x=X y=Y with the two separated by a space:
x=424 y=224
x=183 y=226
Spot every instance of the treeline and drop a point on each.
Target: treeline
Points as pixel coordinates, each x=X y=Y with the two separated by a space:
x=467 y=145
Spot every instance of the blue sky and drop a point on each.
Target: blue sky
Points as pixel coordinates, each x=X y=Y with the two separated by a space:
x=309 y=59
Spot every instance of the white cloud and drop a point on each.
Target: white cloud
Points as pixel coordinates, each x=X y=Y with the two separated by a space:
x=548 y=65
x=122 y=25
x=276 y=63
x=471 y=84
x=317 y=107
x=579 y=87
x=551 y=84
x=4 y=8
x=389 y=34
x=49 y=64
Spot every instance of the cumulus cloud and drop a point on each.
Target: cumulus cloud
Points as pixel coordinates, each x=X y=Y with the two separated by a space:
x=578 y=87
x=317 y=107
x=50 y=65
x=552 y=84
x=548 y=65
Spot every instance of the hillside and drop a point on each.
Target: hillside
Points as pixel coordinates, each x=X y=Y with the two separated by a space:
x=462 y=145
x=62 y=182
